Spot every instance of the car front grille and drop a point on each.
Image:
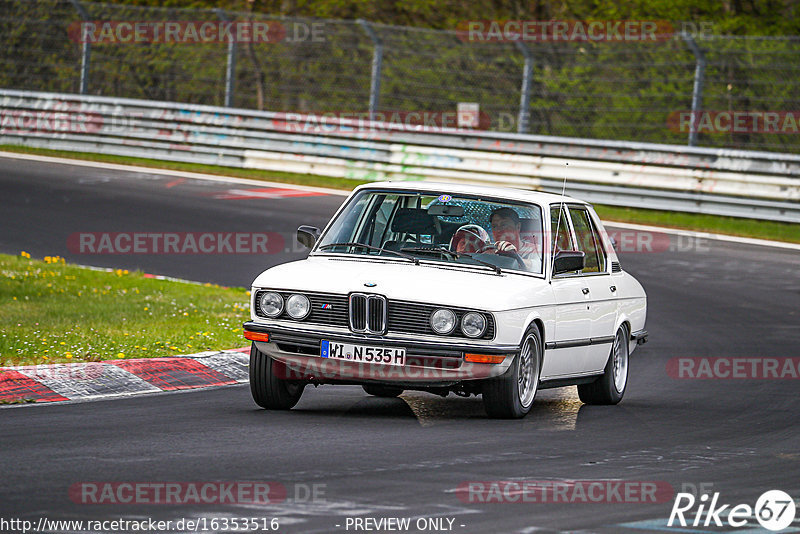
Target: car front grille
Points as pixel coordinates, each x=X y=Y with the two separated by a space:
x=367 y=313
x=374 y=314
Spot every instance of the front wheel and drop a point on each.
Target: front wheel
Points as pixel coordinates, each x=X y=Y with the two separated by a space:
x=610 y=388
x=268 y=389
x=511 y=396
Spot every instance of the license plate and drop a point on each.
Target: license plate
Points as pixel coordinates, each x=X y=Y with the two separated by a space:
x=362 y=353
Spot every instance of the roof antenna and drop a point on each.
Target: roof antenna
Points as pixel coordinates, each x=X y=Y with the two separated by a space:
x=558 y=224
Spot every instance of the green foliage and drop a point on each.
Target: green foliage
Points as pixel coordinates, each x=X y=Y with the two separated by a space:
x=609 y=90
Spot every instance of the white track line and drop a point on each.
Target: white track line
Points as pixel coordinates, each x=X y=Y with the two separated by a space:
x=704 y=235
x=339 y=192
x=169 y=172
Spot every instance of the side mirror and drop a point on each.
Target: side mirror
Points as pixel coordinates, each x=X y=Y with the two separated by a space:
x=307 y=235
x=568 y=261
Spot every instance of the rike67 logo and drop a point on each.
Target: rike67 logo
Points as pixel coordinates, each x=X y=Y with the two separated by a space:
x=774 y=510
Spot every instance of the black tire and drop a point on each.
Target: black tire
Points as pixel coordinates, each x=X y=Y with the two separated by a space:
x=502 y=398
x=605 y=390
x=269 y=391
x=379 y=390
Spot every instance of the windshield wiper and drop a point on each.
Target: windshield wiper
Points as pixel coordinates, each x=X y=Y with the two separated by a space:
x=438 y=250
x=492 y=265
x=370 y=247
x=455 y=255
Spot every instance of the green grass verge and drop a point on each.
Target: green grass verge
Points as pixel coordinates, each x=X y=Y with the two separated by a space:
x=52 y=312
x=703 y=223
x=716 y=224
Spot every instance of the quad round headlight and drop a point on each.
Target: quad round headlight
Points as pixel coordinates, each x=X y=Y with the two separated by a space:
x=298 y=306
x=473 y=324
x=443 y=321
x=270 y=303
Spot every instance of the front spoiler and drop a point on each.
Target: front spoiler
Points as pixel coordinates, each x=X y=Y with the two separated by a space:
x=441 y=364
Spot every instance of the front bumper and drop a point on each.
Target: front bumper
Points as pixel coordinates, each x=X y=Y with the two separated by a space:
x=428 y=363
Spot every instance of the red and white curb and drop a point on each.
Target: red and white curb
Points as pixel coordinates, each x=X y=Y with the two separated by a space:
x=122 y=378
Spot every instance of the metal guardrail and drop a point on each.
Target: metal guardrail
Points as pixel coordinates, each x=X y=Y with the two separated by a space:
x=715 y=181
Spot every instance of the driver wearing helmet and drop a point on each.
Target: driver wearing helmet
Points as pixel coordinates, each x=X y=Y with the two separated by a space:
x=469 y=238
x=506 y=226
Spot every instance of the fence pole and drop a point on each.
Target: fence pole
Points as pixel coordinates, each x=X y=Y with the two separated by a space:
x=377 y=64
x=230 y=68
x=697 y=90
x=525 y=92
x=86 y=49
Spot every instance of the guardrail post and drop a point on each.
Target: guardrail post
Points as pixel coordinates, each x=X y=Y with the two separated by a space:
x=86 y=49
x=697 y=90
x=230 y=68
x=377 y=64
x=525 y=92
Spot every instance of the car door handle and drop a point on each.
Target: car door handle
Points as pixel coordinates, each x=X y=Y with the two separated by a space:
x=585 y=290
x=613 y=289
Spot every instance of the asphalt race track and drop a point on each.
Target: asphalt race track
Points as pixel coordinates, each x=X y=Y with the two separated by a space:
x=378 y=458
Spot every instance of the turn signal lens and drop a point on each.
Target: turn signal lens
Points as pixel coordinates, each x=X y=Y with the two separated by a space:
x=484 y=358
x=256 y=336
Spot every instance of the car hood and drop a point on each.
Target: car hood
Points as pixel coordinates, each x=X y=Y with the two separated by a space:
x=457 y=287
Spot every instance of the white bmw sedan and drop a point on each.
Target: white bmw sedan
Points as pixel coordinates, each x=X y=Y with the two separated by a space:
x=449 y=288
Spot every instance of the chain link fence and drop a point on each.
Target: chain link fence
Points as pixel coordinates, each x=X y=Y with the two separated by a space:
x=603 y=90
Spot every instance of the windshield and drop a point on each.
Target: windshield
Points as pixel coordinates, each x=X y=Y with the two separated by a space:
x=444 y=227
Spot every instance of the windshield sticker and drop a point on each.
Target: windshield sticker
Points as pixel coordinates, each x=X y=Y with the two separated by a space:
x=445 y=198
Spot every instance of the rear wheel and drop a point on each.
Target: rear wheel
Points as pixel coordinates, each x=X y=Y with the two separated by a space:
x=379 y=390
x=511 y=396
x=268 y=390
x=610 y=388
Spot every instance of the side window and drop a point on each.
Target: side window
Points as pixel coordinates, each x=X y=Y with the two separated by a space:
x=601 y=252
x=588 y=240
x=382 y=217
x=562 y=240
